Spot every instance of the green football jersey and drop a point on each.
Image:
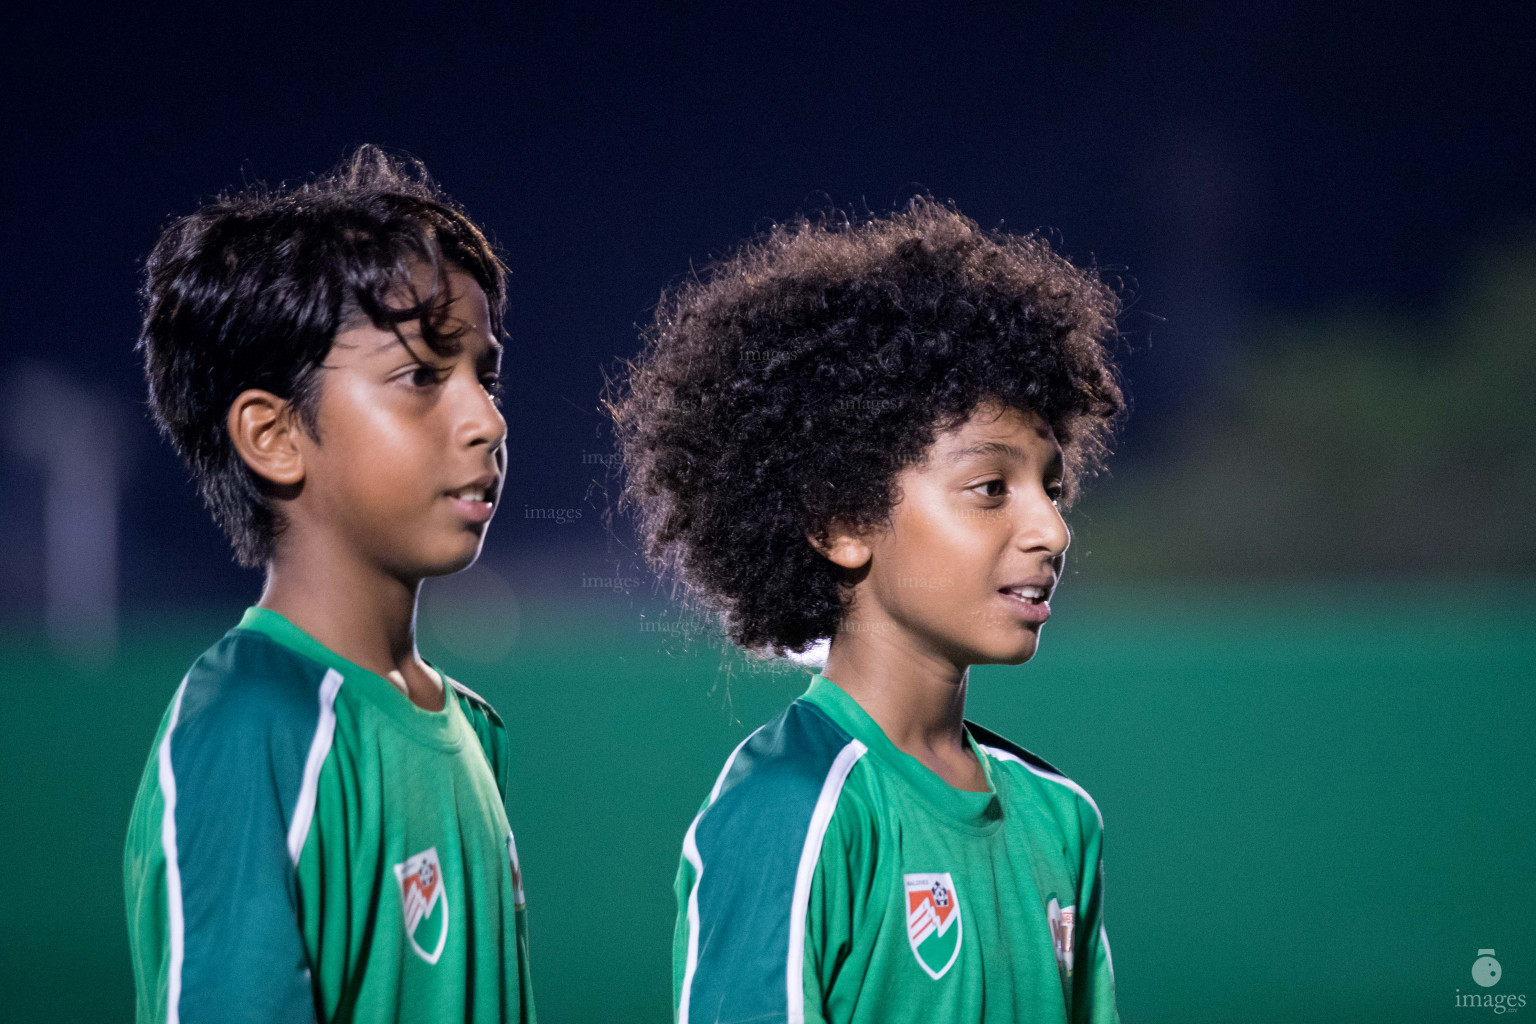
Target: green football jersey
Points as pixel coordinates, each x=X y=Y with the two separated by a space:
x=832 y=878
x=309 y=845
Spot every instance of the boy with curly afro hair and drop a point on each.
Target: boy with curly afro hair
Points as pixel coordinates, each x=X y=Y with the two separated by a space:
x=861 y=434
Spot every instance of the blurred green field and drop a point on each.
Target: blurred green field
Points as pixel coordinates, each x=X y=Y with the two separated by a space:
x=1320 y=800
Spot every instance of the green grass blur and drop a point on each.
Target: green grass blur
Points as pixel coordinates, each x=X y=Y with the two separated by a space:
x=1319 y=798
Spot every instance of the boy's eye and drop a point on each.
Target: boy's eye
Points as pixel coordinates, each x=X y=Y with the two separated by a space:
x=492 y=384
x=1054 y=491
x=992 y=488
x=423 y=375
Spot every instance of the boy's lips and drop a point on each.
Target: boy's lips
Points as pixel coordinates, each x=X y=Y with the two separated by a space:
x=1030 y=599
x=476 y=500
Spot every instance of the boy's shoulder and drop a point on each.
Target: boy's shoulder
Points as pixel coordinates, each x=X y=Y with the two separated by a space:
x=245 y=723
x=790 y=783
x=1044 y=778
x=248 y=682
x=773 y=801
x=788 y=761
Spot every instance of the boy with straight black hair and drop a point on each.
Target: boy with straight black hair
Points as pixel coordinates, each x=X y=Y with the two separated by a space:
x=864 y=432
x=322 y=831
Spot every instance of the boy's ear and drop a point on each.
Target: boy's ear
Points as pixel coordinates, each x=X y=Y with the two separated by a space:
x=264 y=430
x=841 y=547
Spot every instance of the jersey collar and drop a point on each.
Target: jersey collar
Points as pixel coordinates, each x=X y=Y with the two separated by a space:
x=977 y=811
x=437 y=728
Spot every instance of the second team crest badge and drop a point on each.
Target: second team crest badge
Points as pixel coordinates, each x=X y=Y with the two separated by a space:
x=933 y=922
x=1063 y=927
x=425 y=904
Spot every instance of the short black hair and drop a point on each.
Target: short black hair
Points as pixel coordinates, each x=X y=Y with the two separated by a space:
x=784 y=388
x=251 y=290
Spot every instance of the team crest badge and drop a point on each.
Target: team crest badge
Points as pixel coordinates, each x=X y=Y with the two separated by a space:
x=425 y=904
x=1063 y=926
x=933 y=922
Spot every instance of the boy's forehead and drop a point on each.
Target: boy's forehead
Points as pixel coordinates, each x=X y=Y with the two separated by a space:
x=989 y=430
x=461 y=303
x=466 y=325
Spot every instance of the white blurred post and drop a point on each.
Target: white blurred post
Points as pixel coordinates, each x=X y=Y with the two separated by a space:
x=72 y=434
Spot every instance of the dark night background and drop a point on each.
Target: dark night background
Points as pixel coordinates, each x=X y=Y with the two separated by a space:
x=1322 y=216
x=1237 y=162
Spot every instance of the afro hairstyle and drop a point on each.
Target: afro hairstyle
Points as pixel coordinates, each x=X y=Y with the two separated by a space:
x=783 y=389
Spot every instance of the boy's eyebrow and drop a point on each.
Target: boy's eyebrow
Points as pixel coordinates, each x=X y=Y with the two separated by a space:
x=1003 y=448
x=986 y=448
x=394 y=341
x=496 y=348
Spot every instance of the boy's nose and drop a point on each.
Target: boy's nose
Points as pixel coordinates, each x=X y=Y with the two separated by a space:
x=1044 y=530
x=481 y=422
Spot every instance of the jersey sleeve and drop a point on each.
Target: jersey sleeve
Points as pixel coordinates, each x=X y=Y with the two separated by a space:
x=754 y=907
x=739 y=958
x=843 y=869
x=214 y=922
x=1093 y=977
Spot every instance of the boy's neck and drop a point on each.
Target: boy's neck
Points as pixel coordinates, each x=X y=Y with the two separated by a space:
x=362 y=613
x=916 y=696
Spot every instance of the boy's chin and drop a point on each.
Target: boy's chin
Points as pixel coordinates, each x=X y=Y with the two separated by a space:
x=448 y=563
x=1015 y=653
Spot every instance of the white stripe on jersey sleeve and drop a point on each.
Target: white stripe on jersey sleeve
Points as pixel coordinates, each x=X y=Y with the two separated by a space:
x=821 y=817
x=178 y=926
x=319 y=747
x=691 y=854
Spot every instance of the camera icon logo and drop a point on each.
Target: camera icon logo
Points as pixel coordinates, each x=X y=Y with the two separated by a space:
x=1485 y=969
